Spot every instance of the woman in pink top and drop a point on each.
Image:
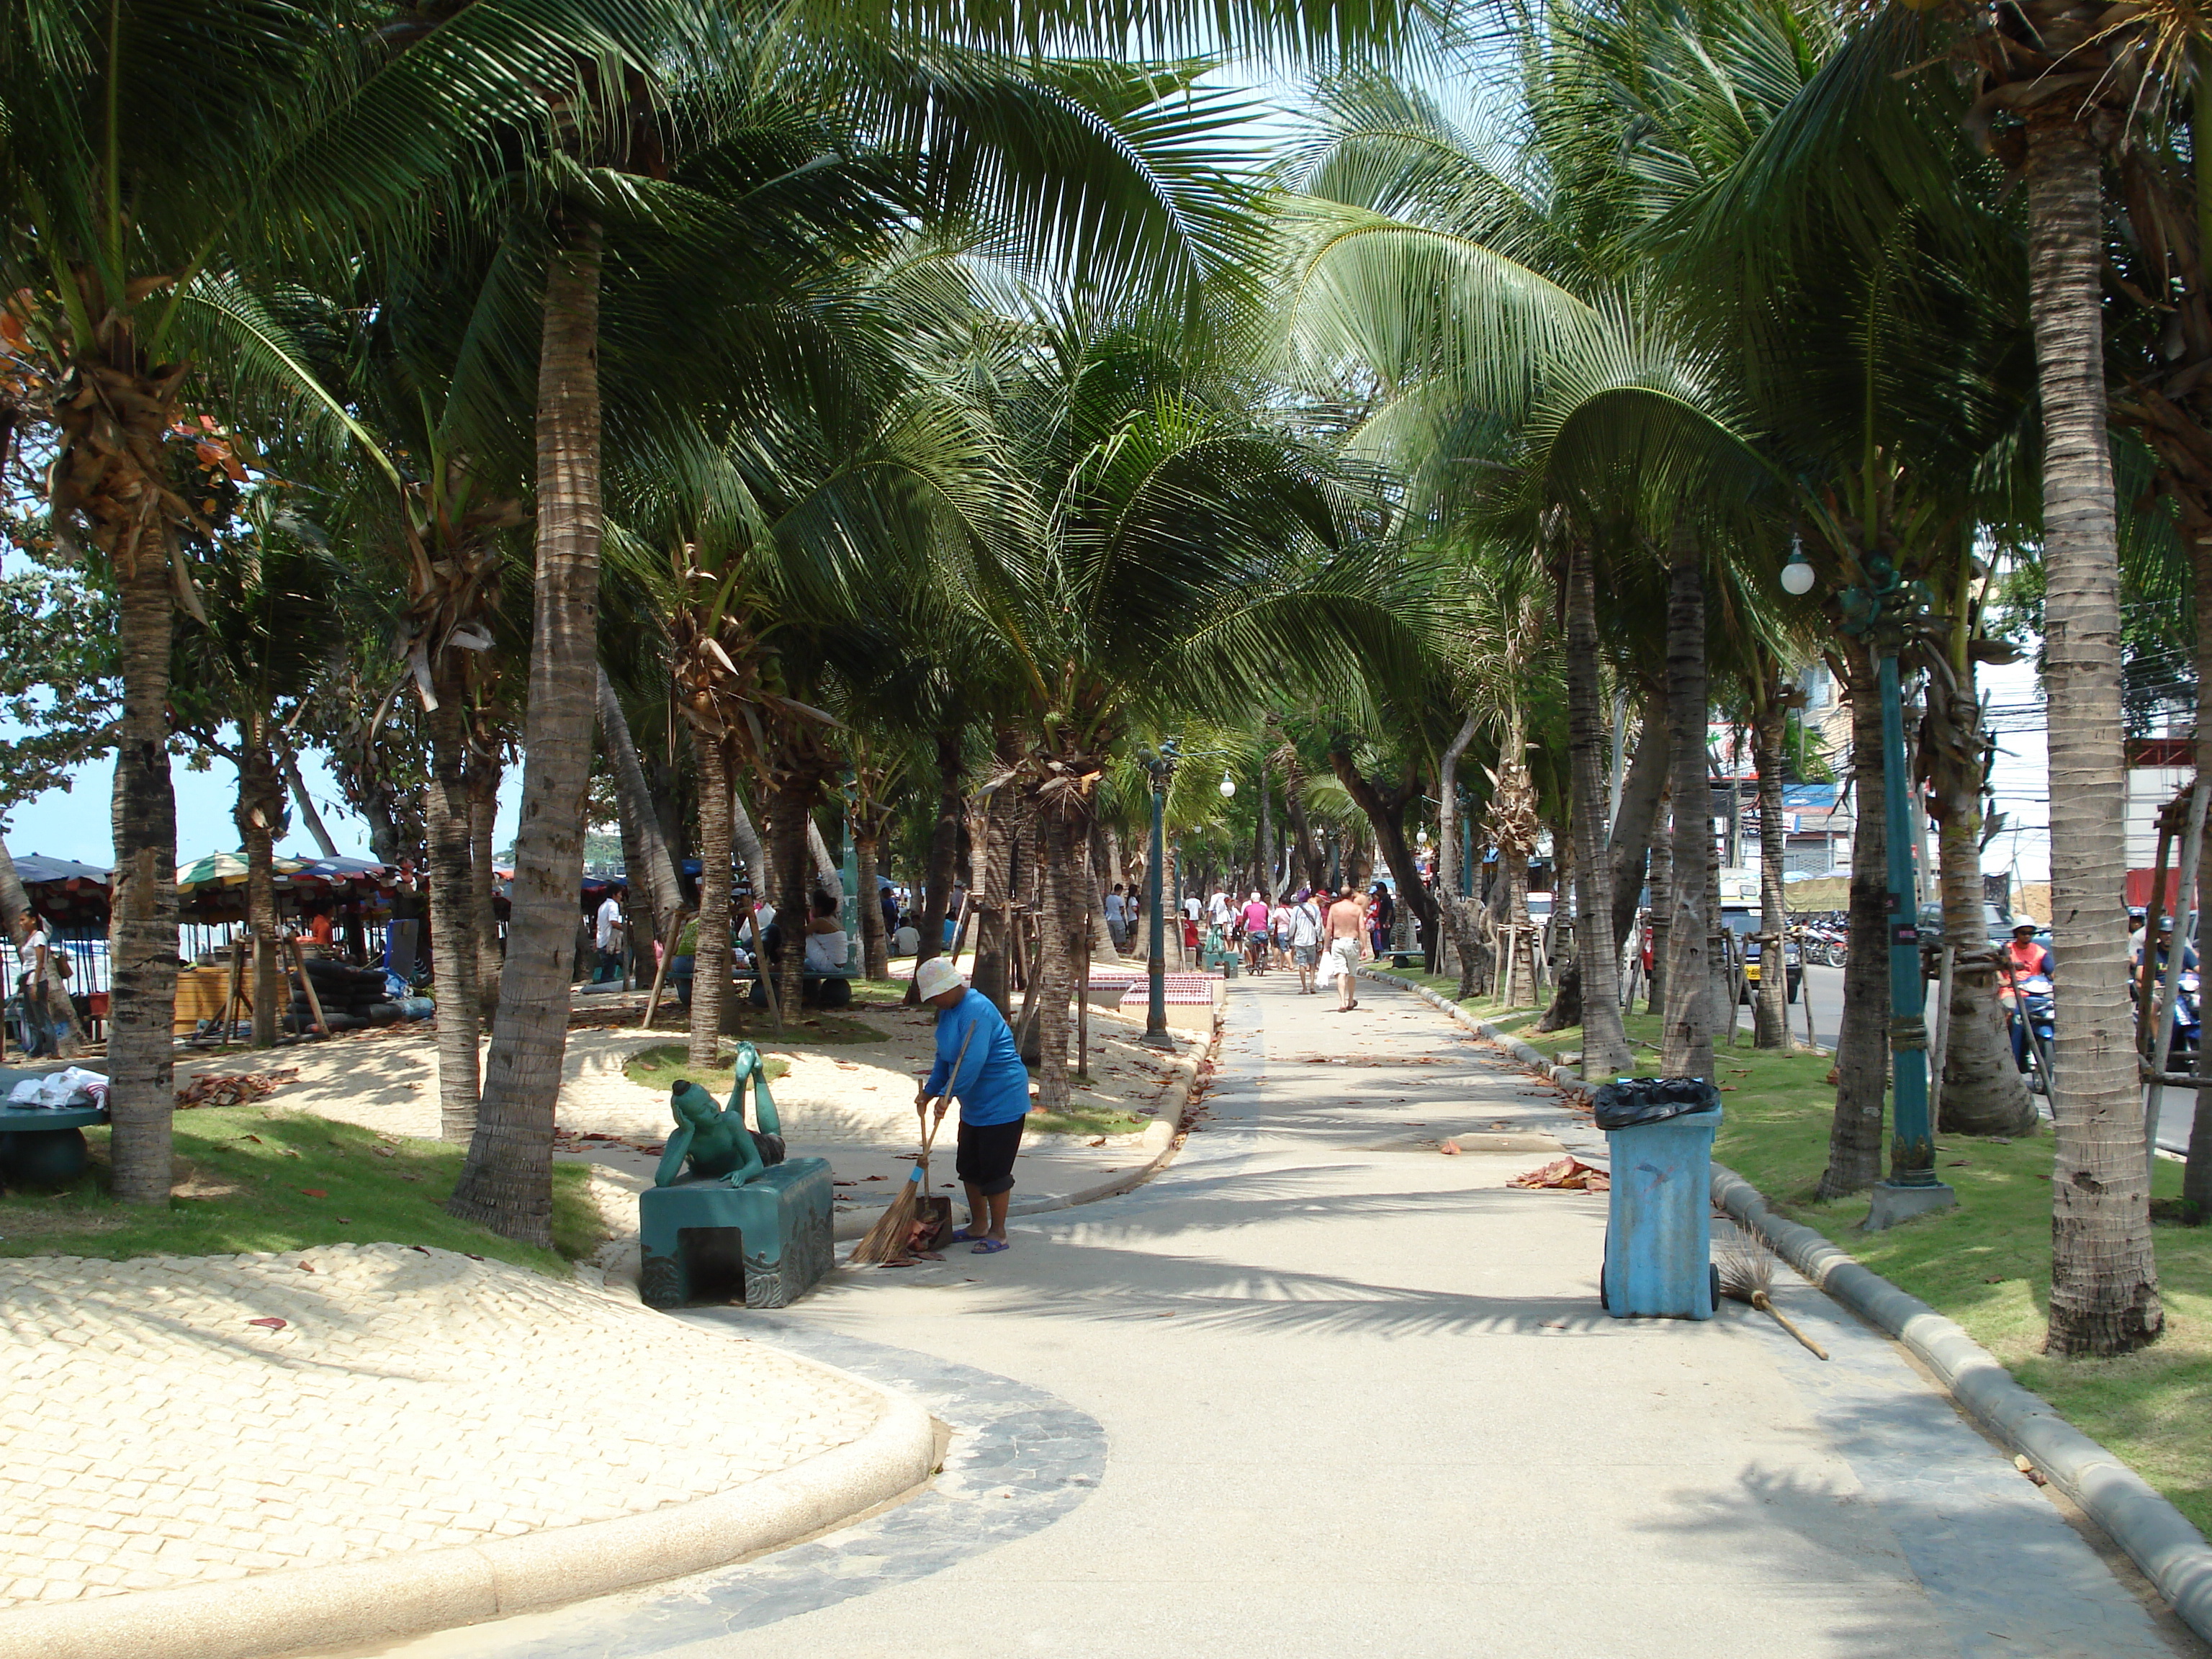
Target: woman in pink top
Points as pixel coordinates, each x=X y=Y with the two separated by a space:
x=1254 y=915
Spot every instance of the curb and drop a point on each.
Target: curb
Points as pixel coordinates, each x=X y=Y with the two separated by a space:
x=1159 y=1139
x=2172 y=1553
x=420 y=1591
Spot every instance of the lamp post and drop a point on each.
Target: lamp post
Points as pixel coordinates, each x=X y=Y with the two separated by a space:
x=1161 y=765
x=1883 y=613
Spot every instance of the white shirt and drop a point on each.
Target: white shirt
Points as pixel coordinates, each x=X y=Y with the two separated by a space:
x=1218 y=906
x=1117 y=908
x=906 y=941
x=825 y=951
x=1191 y=908
x=610 y=922
x=1306 y=924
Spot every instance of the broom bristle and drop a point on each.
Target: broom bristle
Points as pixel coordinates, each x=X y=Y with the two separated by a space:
x=1746 y=1267
x=888 y=1238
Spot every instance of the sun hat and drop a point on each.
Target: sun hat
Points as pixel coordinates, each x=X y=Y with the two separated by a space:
x=935 y=977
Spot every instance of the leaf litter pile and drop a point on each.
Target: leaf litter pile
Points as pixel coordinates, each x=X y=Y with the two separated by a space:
x=216 y=1089
x=1569 y=1174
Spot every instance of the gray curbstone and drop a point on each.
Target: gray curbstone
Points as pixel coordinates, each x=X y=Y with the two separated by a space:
x=420 y=1591
x=2160 y=1540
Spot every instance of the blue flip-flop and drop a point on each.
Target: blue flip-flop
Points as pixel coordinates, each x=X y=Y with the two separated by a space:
x=967 y=1235
x=988 y=1247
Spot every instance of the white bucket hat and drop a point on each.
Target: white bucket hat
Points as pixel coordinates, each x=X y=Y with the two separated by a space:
x=936 y=977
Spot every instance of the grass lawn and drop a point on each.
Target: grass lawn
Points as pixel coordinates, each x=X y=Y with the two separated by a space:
x=1986 y=1264
x=666 y=1065
x=1082 y=1119
x=811 y=1026
x=254 y=1178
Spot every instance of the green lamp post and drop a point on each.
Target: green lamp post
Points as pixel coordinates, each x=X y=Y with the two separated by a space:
x=1161 y=765
x=1883 y=613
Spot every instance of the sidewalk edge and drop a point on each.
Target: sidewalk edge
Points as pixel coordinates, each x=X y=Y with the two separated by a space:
x=421 y=1592
x=2159 y=1538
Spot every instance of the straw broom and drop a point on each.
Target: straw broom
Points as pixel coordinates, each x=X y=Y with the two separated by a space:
x=1747 y=1274
x=887 y=1239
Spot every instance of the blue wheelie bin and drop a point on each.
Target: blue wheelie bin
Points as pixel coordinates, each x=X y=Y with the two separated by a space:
x=1658 y=1230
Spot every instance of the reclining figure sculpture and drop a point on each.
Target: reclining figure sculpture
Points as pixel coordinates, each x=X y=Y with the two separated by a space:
x=714 y=1139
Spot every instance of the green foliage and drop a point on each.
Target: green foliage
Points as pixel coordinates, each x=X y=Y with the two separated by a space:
x=59 y=686
x=247 y=1178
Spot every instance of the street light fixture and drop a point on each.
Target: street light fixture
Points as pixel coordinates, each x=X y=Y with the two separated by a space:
x=1884 y=612
x=1228 y=786
x=1798 y=575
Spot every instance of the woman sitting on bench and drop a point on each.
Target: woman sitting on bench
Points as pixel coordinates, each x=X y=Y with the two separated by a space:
x=825 y=940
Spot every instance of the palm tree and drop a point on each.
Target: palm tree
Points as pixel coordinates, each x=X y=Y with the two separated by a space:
x=1182 y=558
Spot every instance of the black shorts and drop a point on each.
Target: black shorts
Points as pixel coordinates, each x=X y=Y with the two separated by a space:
x=986 y=1157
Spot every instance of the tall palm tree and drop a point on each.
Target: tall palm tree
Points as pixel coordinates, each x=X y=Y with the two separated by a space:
x=1183 y=557
x=160 y=155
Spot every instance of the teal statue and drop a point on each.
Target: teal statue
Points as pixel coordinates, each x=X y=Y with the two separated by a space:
x=714 y=1140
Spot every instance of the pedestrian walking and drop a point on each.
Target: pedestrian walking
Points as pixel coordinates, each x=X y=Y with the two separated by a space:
x=1117 y=917
x=1347 y=920
x=1254 y=919
x=608 y=936
x=1382 y=915
x=993 y=1088
x=1305 y=941
x=1278 y=929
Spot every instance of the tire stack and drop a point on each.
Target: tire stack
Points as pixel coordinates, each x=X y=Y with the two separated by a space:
x=352 y=997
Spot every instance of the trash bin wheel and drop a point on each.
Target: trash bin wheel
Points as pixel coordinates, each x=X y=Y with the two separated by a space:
x=1712 y=1270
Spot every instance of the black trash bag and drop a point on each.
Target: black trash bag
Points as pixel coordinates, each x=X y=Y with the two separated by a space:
x=1651 y=1100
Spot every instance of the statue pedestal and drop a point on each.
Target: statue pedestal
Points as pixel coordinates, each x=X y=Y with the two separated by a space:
x=766 y=1241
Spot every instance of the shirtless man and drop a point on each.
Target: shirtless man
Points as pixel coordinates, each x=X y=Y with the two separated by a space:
x=1347 y=917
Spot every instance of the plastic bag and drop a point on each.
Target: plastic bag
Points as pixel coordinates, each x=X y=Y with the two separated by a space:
x=1632 y=1101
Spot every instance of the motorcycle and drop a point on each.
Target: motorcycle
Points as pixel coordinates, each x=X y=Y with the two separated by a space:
x=2035 y=1026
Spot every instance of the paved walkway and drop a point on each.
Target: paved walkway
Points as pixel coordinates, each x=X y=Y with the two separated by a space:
x=1355 y=1396
x=157 y=1429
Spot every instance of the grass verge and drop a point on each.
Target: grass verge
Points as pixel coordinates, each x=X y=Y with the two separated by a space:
x=1082 y=1119
x=1986 y=1264
x=253 y=1178
x=667 y=1064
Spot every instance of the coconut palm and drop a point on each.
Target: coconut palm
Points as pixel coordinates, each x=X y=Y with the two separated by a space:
x=1183 y=557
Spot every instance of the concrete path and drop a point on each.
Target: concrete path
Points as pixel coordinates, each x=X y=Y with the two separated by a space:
x=1356 y=1397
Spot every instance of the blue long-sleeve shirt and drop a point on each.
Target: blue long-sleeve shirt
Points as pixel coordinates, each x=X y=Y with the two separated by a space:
x=993 y=1086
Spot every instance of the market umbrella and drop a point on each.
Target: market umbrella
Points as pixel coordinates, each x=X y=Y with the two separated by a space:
x=227 y=869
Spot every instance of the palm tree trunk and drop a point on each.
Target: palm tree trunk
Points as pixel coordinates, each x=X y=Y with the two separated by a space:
x=1605 y=1053
x=305 y=802
x=484 y=883
x=1061 y=914
x=142 y=924
x=506 y=1182
x=1663 y=888
x=663 y=891
x=789 y=812
x=2103 y=1282
x=710 y=952
x=1770 y=1009
x=875 y=947
x=1630 y=849
x=260 y=808
x=1855 y=1150
x=1459 y=910
x=446 y=817
x=944 y=852
x=1687 y=1040
x=2197 y=1175
x=995 y=885
x=1982 y=1092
